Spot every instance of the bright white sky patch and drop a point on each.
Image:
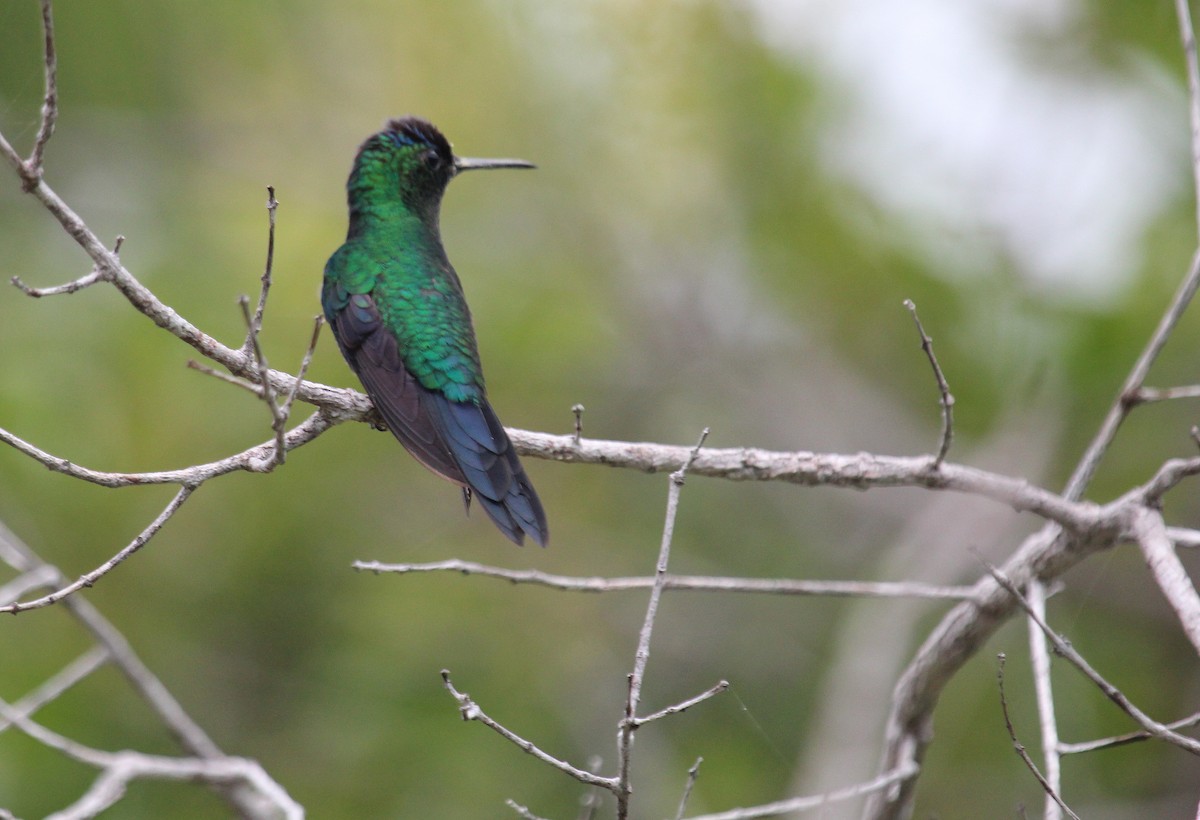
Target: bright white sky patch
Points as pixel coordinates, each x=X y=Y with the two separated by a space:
x=1050 y=163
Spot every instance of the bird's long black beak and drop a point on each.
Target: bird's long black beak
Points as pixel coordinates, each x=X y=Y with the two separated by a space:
x=477 y=164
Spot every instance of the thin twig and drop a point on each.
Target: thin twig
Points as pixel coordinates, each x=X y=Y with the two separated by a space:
x=947 y=400
x=74 y=286
x=470 y=711
x=50 y=100
x=290 y=399
x=1040 y=658
x=1147 y=395
x=1020 y=747
x=693 y=773
x=1187 y=37
x=1165 y=479
x=256 y=324
x=629 y=724
x=690 y=583
x=251 y=387
x=683 y=706
x=278 y=419
x=523 y=812
x=904 y=772
x=1184 y=537
x=1121 y=740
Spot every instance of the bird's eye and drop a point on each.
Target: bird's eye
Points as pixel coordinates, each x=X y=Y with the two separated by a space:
x=432 y=160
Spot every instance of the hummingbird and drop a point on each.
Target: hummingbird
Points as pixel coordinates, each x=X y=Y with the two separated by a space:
x=398 y=312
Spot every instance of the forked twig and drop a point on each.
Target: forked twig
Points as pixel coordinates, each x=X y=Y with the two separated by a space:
x=118 y=769
x=74 y=286
x=1126 y=398
x=629 y=724
x=1114 y=694
x=90 y=578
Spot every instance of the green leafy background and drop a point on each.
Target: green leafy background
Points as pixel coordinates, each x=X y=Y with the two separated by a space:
x=688 y=254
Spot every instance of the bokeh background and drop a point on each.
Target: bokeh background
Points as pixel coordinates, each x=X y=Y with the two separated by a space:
x=732 y=201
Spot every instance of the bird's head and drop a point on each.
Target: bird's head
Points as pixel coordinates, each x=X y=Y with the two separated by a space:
x=412 y=160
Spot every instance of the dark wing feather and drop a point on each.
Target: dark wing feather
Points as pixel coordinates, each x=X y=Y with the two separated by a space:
x=374 y=355
x=460 y=441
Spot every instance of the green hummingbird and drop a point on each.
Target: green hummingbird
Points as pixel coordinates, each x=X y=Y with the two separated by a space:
x=400 y=318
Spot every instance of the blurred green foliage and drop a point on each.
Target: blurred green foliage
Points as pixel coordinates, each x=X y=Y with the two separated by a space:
x=686 y=256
